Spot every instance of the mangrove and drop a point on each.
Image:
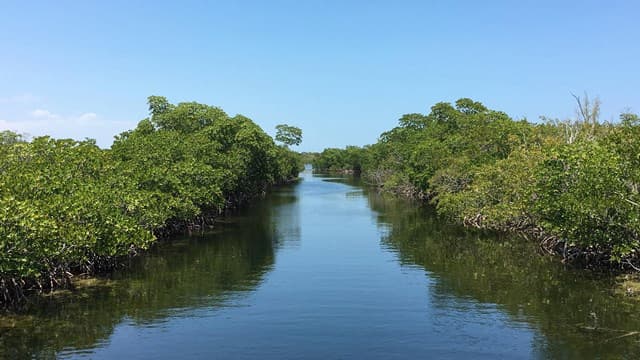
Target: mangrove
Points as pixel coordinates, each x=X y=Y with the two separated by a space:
x=573 y=185
x=70 y=208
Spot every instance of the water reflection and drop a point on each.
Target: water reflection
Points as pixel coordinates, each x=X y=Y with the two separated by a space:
x=284 y=209
x=475 y=272
x=199 y=273
x=303 y=273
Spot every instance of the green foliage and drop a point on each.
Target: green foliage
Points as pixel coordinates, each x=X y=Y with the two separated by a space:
x=308 y=157
x=351 y=158
x=8 y=137
x=288 y=135
x=500 y=192
x=59 y=209
x=582 y=195
x=577 y=180
x=68 y=205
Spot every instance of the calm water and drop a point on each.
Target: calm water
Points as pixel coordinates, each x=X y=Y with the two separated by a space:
x=325 y=270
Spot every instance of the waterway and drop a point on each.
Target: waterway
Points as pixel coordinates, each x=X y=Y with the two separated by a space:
x=324 y=269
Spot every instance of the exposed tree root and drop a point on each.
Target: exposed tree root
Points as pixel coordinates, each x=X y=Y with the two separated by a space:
x=15 y=291
x=591 y=257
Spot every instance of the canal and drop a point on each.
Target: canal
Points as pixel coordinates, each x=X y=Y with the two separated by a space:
x=325 y=269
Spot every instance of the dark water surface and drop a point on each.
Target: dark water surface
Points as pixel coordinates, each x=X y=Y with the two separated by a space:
x=325 y=270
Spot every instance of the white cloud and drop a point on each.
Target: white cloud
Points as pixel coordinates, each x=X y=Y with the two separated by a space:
x=27 y=114
x=41 y=122
x=88 y=116
x=44 y=114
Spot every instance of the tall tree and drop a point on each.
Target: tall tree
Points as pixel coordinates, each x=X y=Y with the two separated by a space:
x=288 y=135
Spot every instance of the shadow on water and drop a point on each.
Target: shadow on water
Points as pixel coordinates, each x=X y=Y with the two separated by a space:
x=575 y=311
x=187 y=274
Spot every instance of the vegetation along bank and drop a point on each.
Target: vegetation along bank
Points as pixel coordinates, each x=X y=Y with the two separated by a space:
x=69 y=207
x=573 y=185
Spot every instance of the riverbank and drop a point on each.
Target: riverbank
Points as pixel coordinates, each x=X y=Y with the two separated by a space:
x=599 y=259
x=346 y=267
x=69 y=207
x=572 y=186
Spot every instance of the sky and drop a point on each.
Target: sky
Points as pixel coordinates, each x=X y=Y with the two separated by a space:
x=342 y=71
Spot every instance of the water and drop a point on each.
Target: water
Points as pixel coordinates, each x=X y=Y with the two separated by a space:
x=326 y=270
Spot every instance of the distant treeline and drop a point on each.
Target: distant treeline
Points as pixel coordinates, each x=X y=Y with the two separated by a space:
x=574 y=185
x=68 y=207
x=309 y=157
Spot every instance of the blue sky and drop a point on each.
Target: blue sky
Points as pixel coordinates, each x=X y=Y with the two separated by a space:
x=343 y=71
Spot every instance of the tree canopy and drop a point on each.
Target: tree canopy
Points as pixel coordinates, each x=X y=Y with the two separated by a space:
x=288 y=135
x=573 y=184
x=68 y=206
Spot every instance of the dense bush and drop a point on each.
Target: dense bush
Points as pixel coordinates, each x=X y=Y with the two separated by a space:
x=68 y=206
x=573 y=184
x=349 y=159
